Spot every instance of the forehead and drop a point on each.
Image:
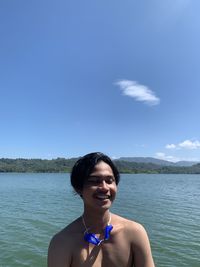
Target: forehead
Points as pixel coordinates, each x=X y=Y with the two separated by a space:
x=102 y=168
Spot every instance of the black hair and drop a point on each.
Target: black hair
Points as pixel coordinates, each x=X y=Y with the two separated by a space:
x=84 y=167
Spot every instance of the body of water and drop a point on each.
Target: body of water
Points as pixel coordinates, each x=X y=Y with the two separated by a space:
x=33 y=207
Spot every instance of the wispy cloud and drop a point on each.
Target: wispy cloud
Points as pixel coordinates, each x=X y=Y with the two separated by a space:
x=170 y=146
x=167 y=12
x=138 y=91
x=163 y=156
x=187 y=144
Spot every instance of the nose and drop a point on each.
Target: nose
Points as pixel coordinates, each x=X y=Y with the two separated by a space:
x=103 y=185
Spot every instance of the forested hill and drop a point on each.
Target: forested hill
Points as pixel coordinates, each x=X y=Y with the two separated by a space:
x=65 y=165
x=36 y=165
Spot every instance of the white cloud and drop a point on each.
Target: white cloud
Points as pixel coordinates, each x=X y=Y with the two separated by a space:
x=138 y=91
x=187 y=144
x=170 y=146
x=114 y=157
x=163 y=156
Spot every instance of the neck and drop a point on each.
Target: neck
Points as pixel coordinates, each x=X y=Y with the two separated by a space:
x=90 y=237
x=97 y=221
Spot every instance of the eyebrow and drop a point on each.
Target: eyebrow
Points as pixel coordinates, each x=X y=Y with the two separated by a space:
x=101 y=176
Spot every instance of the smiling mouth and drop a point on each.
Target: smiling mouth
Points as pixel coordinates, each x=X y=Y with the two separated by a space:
x=102 y=197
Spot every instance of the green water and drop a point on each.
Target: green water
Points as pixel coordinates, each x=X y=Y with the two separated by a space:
x=35 y=206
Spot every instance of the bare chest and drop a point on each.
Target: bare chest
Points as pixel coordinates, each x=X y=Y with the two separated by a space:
x=107 y=254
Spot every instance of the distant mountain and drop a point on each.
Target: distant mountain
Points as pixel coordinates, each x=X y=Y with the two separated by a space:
x=158 y=161
x=186 y=163
x=147 y=160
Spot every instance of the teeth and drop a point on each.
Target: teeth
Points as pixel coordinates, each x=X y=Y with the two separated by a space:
x=103 y=197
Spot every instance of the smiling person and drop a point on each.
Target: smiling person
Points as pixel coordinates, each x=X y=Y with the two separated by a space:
x=99 y=238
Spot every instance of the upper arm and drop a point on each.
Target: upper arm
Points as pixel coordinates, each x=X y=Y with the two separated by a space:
x=58 y=253
x=142 y=249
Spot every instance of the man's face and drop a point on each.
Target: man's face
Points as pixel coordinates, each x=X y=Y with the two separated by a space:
x=100 y=188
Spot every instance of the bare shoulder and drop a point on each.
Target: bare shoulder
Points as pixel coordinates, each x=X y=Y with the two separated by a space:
x=137 y=236
x=128 y=224
x=60 y=247
x=132 y=228
x=136 y=230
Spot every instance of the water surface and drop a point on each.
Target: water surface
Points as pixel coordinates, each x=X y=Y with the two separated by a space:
x=36 y=206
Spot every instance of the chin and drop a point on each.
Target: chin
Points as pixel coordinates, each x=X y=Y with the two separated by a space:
x=104 y=207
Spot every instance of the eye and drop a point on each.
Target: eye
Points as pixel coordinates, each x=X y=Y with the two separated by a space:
x=93 y=180
x=110 y=180
x=96 y=180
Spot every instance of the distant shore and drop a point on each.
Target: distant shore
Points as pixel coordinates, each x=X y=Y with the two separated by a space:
x=64 y=165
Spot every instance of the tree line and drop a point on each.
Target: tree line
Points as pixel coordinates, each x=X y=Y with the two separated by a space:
x=65 y=165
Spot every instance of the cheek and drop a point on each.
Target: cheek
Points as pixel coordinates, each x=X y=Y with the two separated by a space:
x=114 y=190
x=87 y=192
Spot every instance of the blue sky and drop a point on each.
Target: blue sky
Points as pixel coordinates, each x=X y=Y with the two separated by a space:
x=121 y=77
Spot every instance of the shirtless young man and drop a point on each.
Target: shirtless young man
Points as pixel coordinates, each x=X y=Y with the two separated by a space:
x=99 y=238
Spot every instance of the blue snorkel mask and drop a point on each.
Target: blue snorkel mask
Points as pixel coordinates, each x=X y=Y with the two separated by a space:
x=92 y=238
